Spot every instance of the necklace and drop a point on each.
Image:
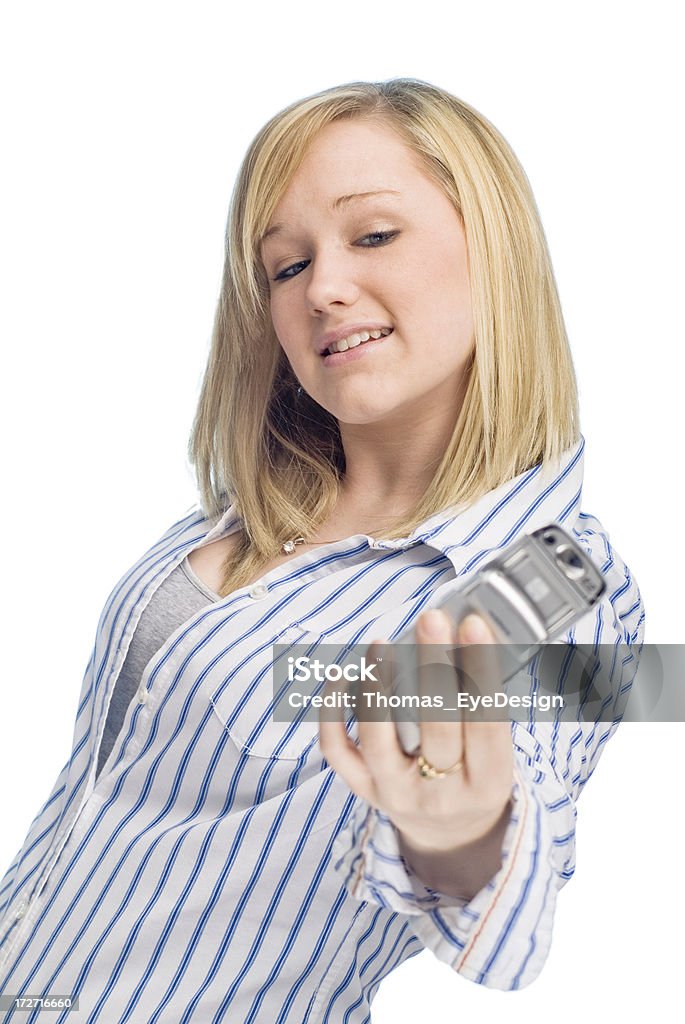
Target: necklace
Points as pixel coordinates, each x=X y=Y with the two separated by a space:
x=289 y=545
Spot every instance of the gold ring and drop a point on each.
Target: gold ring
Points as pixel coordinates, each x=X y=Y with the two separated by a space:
x=429 y=771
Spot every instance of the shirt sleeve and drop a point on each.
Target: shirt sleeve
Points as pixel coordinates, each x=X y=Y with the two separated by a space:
x=502 y=936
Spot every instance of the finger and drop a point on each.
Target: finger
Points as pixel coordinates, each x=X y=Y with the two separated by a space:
x=373 y=692
x=480 y=670
x=378 y=737
x=442 y=742
x=339 y=749
x=487 y=732
x=345 y=759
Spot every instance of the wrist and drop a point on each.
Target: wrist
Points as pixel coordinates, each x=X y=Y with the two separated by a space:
x=445 y=840
x=462 y=869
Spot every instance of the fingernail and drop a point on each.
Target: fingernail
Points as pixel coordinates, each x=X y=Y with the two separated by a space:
x=434 y=623
x=474 y=631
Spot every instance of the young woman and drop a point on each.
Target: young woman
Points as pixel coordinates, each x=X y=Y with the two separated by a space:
x=389 y=401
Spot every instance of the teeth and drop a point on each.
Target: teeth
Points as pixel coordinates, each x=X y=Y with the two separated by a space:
x=357 y=339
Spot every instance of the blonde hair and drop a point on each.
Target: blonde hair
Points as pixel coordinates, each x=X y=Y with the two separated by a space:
x=279 y=458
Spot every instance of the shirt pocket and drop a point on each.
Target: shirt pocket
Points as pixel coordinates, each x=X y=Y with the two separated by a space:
x=251 y=702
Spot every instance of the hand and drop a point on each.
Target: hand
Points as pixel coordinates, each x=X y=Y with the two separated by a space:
x=437 y=818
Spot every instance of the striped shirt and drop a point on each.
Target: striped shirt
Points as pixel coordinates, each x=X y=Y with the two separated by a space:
x=217 y=868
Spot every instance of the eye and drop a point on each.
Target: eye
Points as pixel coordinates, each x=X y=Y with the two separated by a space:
x=292 y=271
x=371 y=241
x=376 y=238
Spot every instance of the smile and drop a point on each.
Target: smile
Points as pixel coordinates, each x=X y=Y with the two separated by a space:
x=354 y=340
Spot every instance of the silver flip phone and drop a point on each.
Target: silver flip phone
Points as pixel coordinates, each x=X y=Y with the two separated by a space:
x=529 y=594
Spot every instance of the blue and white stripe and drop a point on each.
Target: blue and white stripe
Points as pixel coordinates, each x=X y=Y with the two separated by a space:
x=217 y=869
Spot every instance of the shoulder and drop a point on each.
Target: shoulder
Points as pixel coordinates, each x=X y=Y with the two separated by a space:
x=185 y=531
x=622 y=608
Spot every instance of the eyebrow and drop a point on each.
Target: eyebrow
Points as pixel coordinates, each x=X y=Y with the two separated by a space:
x=337 y=204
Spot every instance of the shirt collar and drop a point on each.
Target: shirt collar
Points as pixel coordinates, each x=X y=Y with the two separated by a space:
x=540 y=495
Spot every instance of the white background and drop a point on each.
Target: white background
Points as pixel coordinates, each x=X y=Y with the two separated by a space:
x=122 y=129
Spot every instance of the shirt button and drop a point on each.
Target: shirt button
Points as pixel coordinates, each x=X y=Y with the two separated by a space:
x=20 y=910
x=142 y=695
x=258 y=591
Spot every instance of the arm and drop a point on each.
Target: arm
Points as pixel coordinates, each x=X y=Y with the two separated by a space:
x=500 y=935
x=461 y=870
x=21 y=871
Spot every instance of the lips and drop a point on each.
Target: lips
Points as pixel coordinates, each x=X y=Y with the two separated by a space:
x=350 y=336
x=350 y=355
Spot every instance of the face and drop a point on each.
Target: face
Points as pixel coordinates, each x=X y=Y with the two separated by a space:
x=367 y=263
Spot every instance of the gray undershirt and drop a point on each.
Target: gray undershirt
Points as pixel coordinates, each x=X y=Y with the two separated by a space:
x=178 y=598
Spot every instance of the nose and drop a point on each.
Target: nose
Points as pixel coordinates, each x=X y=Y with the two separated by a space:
x=332 y=281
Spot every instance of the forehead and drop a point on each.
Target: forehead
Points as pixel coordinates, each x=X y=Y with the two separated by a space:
x=351 y=158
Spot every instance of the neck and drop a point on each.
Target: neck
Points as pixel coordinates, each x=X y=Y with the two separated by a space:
x=389 y=465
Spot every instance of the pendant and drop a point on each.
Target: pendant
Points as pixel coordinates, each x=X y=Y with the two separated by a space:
x=289 y=545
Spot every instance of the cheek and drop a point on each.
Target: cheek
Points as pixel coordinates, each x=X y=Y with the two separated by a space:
x=452 y=267
x=283 y=328
x=441 y=304
x=276 y=318
x=455 y=290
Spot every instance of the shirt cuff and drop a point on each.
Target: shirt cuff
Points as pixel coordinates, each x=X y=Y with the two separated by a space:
x=501 y=937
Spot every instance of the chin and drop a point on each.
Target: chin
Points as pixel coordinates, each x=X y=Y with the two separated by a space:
x=361 y=417
x=368 y=407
